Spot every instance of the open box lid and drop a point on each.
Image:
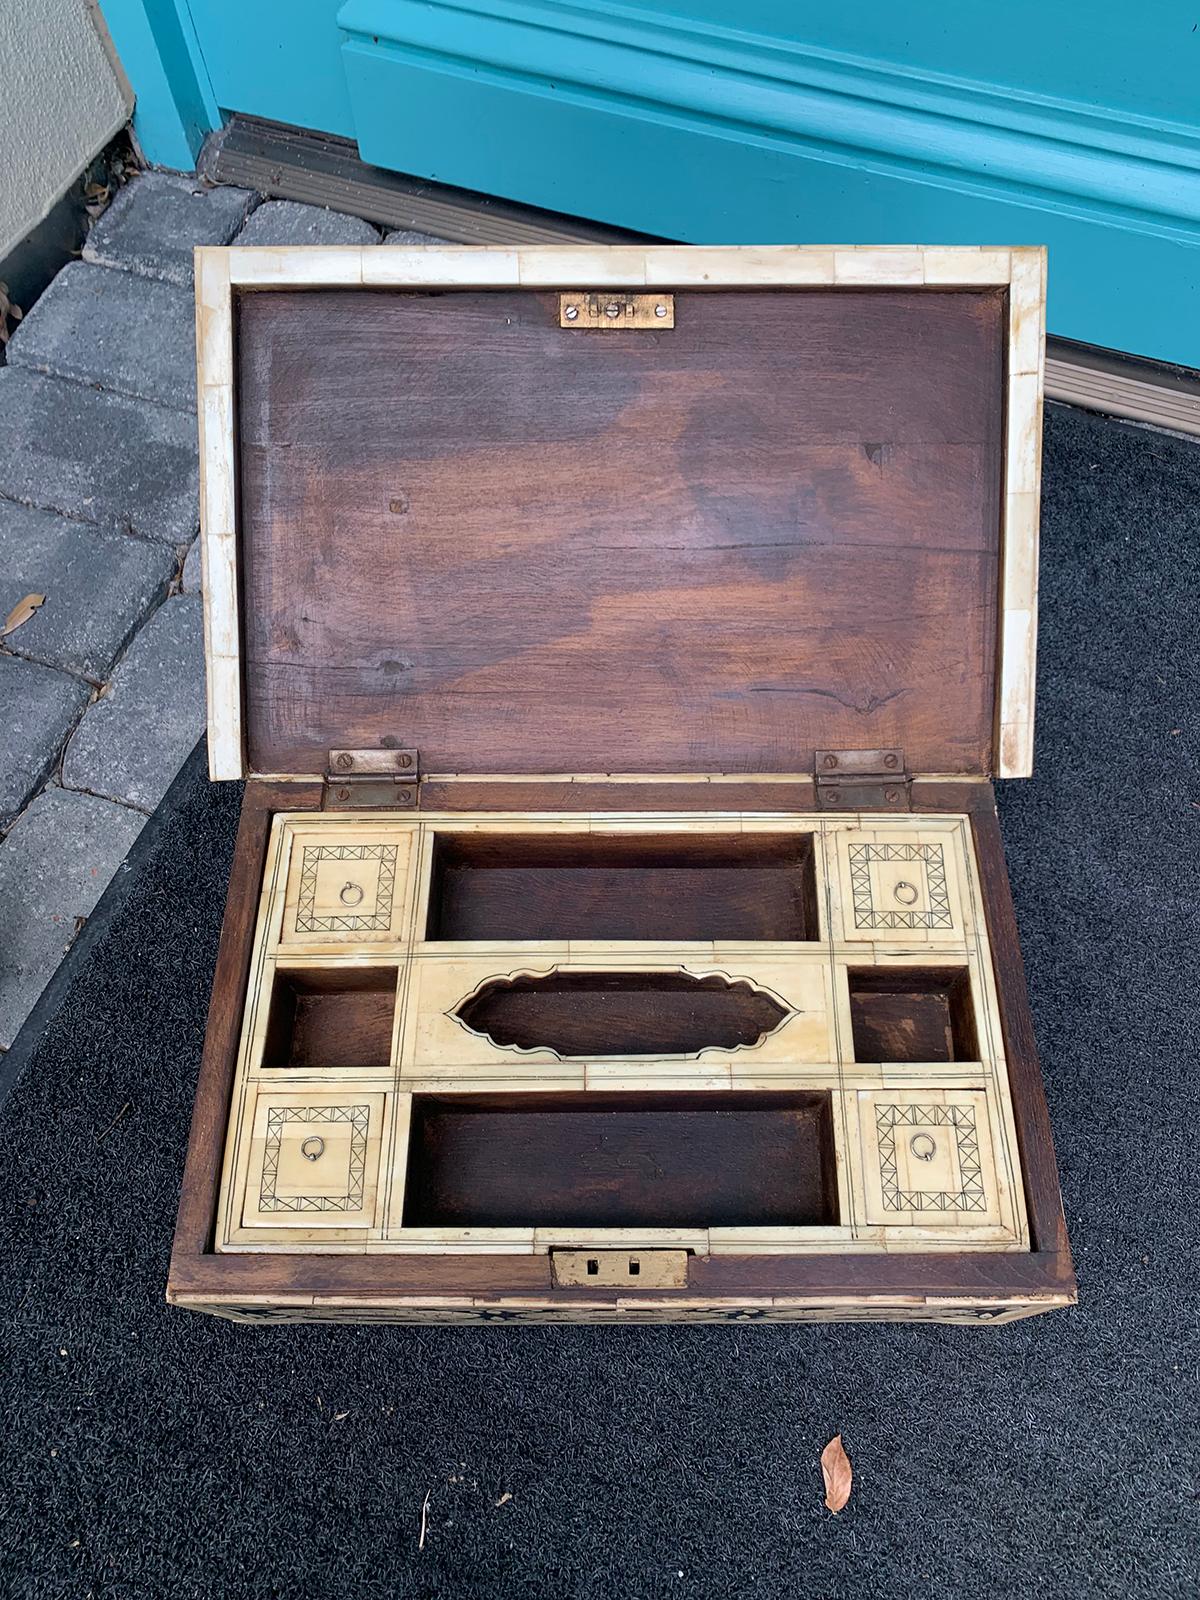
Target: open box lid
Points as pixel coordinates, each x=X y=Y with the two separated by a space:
x=621 y=509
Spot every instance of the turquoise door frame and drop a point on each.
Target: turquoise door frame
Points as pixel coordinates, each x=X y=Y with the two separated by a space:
x=1075 y=126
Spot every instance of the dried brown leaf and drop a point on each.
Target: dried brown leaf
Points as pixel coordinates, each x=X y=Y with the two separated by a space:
x=8 y=313
x=21 y=613
x=836 y=1470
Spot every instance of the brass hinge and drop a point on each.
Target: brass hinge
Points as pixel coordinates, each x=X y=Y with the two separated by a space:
x=615 y=309
x=862 y=780
x=372 y=780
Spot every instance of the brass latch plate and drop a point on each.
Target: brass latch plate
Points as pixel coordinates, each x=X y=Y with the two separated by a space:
x=615 y=310
x=619 y=1269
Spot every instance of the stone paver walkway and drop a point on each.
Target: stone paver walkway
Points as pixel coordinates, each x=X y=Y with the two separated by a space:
x=102 y=691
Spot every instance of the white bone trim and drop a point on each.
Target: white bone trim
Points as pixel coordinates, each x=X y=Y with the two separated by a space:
x=1023 y=271
x=218 y=512
x=1016 y=669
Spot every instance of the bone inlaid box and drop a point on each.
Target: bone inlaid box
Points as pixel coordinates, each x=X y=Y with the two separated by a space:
x=619 y=644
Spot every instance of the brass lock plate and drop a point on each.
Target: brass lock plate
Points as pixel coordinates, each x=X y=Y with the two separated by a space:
x=619 y=1269
x=615 y=310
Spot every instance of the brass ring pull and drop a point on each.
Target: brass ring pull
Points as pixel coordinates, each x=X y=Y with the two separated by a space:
x=907 y=893
x=351 y=894
x=313 y=1147
x=922 y=1146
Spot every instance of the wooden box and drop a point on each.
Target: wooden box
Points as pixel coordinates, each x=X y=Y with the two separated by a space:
x=619 y=644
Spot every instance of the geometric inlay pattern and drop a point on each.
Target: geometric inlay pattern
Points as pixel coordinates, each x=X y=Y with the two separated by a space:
x=868 y=915
x=962 y=1119
x=364 y=918
x=358 y=1118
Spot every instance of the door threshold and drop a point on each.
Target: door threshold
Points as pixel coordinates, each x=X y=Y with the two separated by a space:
x=322 y=170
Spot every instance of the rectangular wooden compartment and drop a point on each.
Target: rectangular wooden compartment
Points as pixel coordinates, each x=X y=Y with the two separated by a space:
x=632 y=1160
x=639 y=886
x=712 y=1035
x=317 y=1017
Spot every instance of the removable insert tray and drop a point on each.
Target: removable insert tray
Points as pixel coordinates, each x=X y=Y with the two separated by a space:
x=755 y=1034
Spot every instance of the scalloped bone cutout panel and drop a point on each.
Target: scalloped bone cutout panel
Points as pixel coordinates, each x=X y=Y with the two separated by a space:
x=622 y=1013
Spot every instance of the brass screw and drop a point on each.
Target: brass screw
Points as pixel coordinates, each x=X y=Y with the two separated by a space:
x=660 y=311
x=406 y=760
x=343 y=794
x=612 y=309
x=403 y=798
x=344 y=761
x=891 y=796
x=890 y=759
x=571 y=313
x=829 y=761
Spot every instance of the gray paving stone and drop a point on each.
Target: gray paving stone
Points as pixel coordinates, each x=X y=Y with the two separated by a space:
x=191 y=570
x=284 y=222
x=406 y=236
x=40 y=707
x=98 y=586
x=133 y=741
x=54 y=866
x=133 y=335
x=121 y=463
x=155 y=220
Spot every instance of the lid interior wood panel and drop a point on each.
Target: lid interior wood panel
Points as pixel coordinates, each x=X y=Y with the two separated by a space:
x=528 y=549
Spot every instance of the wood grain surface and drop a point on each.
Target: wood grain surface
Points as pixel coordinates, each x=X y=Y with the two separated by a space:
x=317 y=1017
x=595 y=886
x=912 y=1014
x=617 y=1161
x=528 y=550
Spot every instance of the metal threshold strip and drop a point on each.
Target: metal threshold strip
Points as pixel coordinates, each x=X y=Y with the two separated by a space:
x=321 y=170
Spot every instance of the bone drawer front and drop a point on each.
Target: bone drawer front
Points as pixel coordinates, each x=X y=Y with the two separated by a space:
x=347 y=887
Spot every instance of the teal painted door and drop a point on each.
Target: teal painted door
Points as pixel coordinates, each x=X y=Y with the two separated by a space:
x=1076 y=126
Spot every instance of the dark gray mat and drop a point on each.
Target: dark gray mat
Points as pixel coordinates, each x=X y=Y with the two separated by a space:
x=152 y=1452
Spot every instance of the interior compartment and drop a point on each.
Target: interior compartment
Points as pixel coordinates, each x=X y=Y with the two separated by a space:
x=622 y=1013
x=913 y=1014
x=641 y=886
x=621 y=1160
x=331 y=1017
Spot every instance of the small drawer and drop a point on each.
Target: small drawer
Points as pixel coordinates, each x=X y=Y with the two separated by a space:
x=348 y=888
x=900 y=887
x=314 y=1160
x=930 y=1161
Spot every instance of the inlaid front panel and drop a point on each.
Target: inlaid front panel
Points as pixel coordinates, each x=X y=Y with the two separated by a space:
x=929 y=1161
x=347 y=886
x=314 y=1159
x=900 y=884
